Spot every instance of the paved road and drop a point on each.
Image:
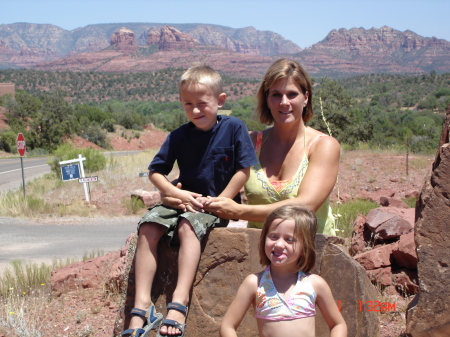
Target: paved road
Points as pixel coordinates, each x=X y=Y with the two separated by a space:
x=11 y=172
x=61 y=239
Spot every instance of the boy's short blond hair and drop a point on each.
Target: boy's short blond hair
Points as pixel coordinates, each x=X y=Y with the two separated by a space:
x=202 y=74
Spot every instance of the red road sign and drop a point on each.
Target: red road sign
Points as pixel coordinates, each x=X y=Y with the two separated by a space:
x=20 y=144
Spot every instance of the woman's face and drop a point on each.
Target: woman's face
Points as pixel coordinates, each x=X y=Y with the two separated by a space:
x=286 y=101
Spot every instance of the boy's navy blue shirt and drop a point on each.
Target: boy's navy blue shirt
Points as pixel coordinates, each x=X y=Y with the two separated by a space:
x=207 y=159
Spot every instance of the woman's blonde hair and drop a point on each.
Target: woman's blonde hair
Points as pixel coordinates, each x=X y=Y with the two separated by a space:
x=202 y=74
x=304 y=233
x=283 y=69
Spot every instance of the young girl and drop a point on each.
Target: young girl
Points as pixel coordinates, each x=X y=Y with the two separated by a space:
x=284 y=294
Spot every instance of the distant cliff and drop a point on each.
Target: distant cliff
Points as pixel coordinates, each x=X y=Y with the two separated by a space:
x=245 y=52
x=26 y=44
x=386 y=50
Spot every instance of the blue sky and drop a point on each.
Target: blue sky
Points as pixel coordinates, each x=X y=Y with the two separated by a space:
x=303 y=22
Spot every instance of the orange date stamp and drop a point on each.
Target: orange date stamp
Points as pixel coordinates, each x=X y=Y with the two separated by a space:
x=375 y=306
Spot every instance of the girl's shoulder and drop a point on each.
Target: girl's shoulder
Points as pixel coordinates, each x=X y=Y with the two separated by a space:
x=250 y=284
x=252 y=278
x=318 y=283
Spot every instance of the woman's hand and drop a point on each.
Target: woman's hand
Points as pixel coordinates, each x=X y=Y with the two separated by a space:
x=225 y=208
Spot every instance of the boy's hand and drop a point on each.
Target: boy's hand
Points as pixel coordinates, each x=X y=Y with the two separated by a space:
x=183 y=199
x=204 y=201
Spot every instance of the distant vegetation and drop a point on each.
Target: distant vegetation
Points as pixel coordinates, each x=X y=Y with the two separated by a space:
x=94 y=87
x=380 y=110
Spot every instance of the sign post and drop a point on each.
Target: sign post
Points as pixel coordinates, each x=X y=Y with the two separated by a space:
x=21 y=148
x=73 y=173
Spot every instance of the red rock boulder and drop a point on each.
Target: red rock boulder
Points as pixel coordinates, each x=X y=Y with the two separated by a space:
x=428 y=314
x=390 y=222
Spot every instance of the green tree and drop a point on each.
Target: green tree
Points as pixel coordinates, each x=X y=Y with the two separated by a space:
x=53 y=122
x=347 y=123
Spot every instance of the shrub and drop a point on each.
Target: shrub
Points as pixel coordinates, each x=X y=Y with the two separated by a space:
x=95 y=134
x=8 y=140
x=37 y=152
x=95 y=160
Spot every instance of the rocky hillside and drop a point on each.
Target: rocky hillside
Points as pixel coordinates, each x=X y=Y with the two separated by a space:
x=246 y=52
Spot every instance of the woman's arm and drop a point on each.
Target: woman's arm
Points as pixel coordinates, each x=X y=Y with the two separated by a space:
x=238 y=308
x=315 y=187
x=328 y=307
x=321 y=174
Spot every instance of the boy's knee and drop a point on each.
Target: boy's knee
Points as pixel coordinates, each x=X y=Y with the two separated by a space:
x=151 y=230
x=185 y=227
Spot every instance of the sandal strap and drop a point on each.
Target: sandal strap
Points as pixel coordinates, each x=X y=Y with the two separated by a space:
x=139 y=312
x=150 y=316
x=178 y=306
x=133 y=332
x=172 y=323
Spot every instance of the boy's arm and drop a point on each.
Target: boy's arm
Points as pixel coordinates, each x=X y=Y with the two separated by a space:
x=238 y=308
x=328 y=307
x=167 y=189
x=236 y=183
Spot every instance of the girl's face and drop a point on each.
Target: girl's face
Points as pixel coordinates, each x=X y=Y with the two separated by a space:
x=286 y=101
x=281 y=246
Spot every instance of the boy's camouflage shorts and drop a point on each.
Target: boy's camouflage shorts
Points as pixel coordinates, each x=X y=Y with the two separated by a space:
x=169 y=217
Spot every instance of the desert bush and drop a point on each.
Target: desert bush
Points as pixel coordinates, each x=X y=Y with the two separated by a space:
x=37 y=152
x=95 y=134
x=95 y=160
x=7 y=140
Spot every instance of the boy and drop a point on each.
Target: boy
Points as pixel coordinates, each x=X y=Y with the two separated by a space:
x=214 y=154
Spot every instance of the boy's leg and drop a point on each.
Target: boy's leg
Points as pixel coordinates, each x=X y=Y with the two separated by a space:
x=145 y=267
x=188 y=260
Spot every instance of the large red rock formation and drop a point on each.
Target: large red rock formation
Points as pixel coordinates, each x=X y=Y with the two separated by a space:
x=171 y=39
x=124 y=39
x=427 y=315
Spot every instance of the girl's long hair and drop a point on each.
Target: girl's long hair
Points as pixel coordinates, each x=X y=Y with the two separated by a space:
x=304 y=234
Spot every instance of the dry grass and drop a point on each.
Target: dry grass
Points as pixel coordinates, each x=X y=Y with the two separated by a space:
x=20 y=314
